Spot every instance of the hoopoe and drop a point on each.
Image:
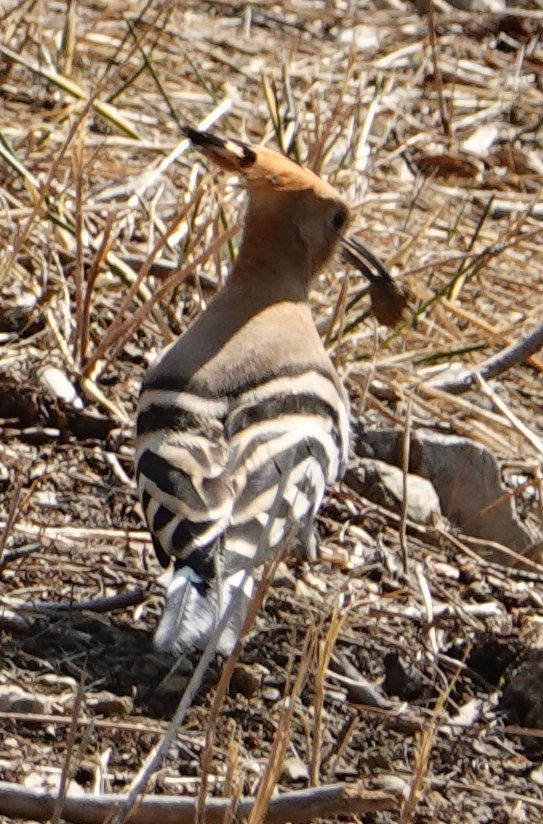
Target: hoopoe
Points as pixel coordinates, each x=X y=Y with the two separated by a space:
x=243 y=421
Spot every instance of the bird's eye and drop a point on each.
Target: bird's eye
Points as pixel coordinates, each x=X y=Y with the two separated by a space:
x=338 y=219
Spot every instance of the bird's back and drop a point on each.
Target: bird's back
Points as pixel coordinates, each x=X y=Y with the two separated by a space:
x=235 y=446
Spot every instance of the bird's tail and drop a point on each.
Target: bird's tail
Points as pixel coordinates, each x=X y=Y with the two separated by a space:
x=193 y=611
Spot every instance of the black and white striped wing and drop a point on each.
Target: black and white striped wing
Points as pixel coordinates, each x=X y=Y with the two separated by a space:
x=181 y=460
x=223 y=483
x=288 y=438
x=209 y=467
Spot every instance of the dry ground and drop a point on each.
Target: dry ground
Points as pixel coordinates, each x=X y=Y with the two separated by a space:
x=109 y=247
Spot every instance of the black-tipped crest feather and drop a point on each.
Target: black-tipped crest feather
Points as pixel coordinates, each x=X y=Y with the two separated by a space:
x=230 y=151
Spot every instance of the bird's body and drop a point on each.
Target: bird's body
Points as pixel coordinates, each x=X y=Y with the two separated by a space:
x=243 y=421
x=213 y=447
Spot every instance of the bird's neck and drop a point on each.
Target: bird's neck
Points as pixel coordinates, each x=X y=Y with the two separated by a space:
x=272 y=261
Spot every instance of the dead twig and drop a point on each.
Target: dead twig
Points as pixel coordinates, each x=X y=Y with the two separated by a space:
x=121 y=600
x=67 y=766
x=14 y=622
x=494 y=366
x=406 y=441
x=445 y=117
x=298 y=806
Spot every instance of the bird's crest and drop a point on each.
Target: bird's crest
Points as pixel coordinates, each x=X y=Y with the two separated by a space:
x=258 y=165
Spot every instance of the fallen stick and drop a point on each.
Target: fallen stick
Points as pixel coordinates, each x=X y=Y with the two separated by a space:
x=14 y=622
x=298 y=806
x=122 y=600
x=491 y=368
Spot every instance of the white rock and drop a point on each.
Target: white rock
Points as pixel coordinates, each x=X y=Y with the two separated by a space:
x=15 y=699
x=467 y=480
x=537 y=775
x=480 y=141
x=58 y=384
x=383 y=483
x=294 y=770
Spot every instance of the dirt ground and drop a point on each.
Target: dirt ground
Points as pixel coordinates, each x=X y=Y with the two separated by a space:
x=425 y=681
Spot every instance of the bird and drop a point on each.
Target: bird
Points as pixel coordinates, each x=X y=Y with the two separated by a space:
x=243 y=421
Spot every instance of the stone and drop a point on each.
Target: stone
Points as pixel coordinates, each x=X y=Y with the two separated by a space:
x=383 y=484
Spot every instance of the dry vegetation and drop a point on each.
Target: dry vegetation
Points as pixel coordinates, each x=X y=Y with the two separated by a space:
x=113 y=237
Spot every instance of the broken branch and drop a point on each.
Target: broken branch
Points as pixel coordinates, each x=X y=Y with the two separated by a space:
x=298 y=806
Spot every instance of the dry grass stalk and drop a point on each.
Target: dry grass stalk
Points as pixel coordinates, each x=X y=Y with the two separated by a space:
x=424 y=748
x=233 y=781
x=67 y=46
x=406 y=440
x=67 y=767
x=224 y=682
x=78 y=165
x=105 y=109
x=281 y=739
x=141 y=780
x=123 y=330
x=325 y=651
x=102 y=254
x=117 y=334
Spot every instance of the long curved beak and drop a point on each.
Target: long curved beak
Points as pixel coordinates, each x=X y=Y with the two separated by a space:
x=388 y=300
x=359 y=256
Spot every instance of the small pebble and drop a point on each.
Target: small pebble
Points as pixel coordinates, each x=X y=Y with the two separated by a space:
x=271 y=694
x=14 y=699
x=60 y=386
x=107 y=704
x=244 y=681
x=294 y=771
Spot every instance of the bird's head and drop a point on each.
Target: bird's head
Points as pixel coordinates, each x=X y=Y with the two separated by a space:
x=295 y=220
